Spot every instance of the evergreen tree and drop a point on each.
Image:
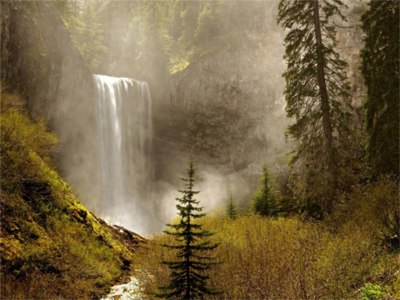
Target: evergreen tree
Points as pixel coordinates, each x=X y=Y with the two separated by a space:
x=380 y=68
x=188 y=278
x=84 y=25
x=264 y=202
x=316 y=92
x=231 y=210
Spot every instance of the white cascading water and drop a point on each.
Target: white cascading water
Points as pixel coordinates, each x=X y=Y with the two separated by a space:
x=124 y=114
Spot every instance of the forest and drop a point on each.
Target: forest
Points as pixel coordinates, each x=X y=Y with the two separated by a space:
x=207 y=149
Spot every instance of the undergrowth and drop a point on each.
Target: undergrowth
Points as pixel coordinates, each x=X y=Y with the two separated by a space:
x=51 y=246
x=291 y=258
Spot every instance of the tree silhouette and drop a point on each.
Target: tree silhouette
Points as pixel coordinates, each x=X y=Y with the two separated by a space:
x=380 y=68
x=317 y=93
x=264 y=202
x=188 y=278
x=231 y=210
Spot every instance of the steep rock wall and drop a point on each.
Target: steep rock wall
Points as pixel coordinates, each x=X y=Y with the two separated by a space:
x=39 y=60
x=226 y=108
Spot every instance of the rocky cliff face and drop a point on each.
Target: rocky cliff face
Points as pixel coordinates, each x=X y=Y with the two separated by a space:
x=351 y=37
x=40 y=61
x=226 y=108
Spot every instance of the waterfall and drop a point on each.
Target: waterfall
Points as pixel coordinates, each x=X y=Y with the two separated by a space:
x=124 y=119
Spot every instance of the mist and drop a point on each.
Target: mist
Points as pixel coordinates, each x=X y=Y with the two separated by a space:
x=187 y=149
x=214 y=71
x=239 y=78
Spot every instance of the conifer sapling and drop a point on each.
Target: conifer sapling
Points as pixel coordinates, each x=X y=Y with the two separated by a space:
x=231 y=210
x=264 y=202
x=188 y=271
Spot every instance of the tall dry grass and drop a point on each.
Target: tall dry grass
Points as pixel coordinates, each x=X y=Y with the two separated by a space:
x=283 y=258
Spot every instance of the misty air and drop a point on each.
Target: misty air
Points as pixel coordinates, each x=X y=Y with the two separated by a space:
x=230 y=149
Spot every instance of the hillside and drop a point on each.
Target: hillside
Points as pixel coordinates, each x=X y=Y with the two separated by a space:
x=51 y=245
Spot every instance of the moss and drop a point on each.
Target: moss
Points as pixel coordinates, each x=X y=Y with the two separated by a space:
x=45 y=230
x=10 y=248
x=179 y=66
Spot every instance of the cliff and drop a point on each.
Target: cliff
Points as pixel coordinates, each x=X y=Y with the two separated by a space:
x=40 y=61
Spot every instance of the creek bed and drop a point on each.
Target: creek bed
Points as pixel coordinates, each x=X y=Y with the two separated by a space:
x=126 y=291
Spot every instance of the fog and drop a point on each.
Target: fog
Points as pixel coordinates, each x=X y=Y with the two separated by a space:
x=214 y=71
x=202 y=60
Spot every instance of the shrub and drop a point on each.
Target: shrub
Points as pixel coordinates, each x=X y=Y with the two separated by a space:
x=51 y=245
x=20 y=140
x=283 y=258
x=374 y=208
x=372 y=291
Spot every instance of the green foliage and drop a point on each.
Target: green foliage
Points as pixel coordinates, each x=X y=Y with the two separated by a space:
x=51 y=246
x=372 y=291
x=284 y=258
x=316 y=93
x=152 y=44
x=137 y=39
x=170 y=35
x=84 y=24
x=231 y=210
x=376 y=207
x=21 y=141
x=188 y=278
x=264 y=201
x=149 y=39
x=380 y=68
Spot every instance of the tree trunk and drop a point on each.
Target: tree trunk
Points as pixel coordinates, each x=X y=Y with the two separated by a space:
x=326 y=116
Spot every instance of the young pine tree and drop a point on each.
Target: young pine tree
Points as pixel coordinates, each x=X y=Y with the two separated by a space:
x=317 y=93
x=264 y=202
x=380 y=68
x=188 y=278
x=231 y=210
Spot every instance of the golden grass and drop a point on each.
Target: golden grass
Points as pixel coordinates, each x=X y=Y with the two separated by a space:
x=281 y=258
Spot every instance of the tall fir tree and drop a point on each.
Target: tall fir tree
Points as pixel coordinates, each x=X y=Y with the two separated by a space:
x=264 y=202
x=380 y=68
x=317 y=93
x=231 y=210
x=188 y=271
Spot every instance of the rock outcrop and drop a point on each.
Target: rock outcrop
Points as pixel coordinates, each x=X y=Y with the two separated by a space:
x=226 y=107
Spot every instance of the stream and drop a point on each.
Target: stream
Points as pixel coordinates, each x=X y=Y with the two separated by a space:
x=126 y=291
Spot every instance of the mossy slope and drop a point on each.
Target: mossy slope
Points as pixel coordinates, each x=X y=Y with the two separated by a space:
x=50 y=244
